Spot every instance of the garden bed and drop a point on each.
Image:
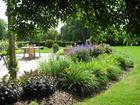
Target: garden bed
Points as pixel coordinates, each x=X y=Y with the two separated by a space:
x=85 y=73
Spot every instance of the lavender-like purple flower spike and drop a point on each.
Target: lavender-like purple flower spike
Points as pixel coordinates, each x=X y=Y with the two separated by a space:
x=80 y=48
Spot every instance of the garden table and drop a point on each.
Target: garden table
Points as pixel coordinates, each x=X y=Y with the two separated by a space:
x=31 y=50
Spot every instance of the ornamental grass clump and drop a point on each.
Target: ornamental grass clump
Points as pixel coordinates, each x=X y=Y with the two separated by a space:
x=77 y=81
x=123 y=60
x=55 y=66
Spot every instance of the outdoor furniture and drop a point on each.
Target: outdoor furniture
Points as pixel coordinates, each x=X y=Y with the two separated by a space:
x=2 y=56
x=31 y=51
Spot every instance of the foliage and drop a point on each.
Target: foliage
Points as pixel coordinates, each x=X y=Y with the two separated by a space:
x=22 y=44
x=79 y=48
x=100 y=13
x=54 y=67
x=124 y=61
x=55 y=47
x=39 y=86
x=49 y=43
x=100 y=49
x=86 y=52
x=75 y=30
x=3 y=46
x=24 y=78
x=3 y=27
x=77 y=81
x=83 y=78
x=80 y=55
x=127 y=89
x=52 y=34
x=8 y=93
x=33 y=103
x=60 y=52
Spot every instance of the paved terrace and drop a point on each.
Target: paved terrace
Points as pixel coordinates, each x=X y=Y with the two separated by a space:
x=24 y=64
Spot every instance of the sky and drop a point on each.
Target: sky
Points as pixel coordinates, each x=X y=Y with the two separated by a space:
x=4 y=17
x=3 y=10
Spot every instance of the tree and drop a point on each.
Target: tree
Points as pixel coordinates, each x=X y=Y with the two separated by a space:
x=12 y=64
x=52 y=34
x=3 y=27
x=75 y=30
x=27 y=15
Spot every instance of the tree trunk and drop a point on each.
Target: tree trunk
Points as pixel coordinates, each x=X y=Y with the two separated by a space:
x=12 y=64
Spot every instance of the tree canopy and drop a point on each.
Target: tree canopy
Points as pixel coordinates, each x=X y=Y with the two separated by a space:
x=31 y=14
x=3 y=27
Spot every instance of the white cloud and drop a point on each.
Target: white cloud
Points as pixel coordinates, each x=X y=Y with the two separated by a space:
x=3 y=10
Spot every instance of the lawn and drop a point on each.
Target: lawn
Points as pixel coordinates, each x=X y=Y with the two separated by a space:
x=124 y=92
x=44 y=50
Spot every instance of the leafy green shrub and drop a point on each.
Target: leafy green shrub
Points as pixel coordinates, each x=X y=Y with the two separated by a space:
x=49 y=43
x=8 y=93
x=124 y=61
x=22 y=44
x=107 y=48
x=3 y=46
x=100 y=49
x=55 y=47
x=60 y=52
x=64 y=43
x=39 y=86
x=54 y=67
x=33 y=103
x=79 y=82
x=106 y=66
x=80 y=55
x=113 y=72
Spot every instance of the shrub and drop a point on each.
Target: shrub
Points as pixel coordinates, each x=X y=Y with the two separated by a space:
x=80 y=55
x=3 y=46
x=49 y=43
x=39 y=86
x=22 y=44
x=64 y=43
x=100 y=49
x=55 y=47
x=60 y=52
x=33 y=103
x=113 y=72
x=8 y=93
x=124 y=61
x=106 y=67
x=77 y=81
x=54 y=67
x=29 y=74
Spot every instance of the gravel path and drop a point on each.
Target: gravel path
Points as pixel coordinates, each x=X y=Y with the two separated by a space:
x=24 y=64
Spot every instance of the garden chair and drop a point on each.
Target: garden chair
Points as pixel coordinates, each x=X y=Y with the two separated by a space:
x=30 y=52
x=2 y=56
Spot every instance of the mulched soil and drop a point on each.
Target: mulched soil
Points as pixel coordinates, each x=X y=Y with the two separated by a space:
x=58 y=98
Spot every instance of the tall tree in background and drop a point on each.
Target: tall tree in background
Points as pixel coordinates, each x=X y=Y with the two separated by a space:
x=3 y=27
x=75 y=30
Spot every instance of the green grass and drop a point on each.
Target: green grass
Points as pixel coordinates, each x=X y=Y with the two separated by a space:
x=124 y=92
x=45 y=50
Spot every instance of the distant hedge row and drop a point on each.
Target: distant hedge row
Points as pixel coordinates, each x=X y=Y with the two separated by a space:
x=44 y=43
